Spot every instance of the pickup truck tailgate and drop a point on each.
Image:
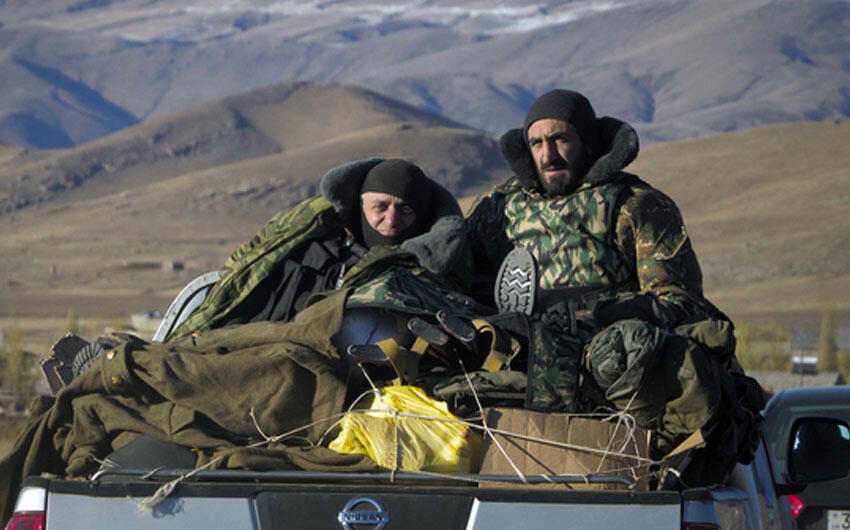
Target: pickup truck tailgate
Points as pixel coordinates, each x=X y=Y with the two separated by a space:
x=357 y=507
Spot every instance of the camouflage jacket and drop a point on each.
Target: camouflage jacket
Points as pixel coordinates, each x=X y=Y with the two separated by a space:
x=435 y=253
x=615 y=232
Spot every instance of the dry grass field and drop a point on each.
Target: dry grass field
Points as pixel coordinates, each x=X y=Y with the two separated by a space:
x=9 y=429
x=767 y=212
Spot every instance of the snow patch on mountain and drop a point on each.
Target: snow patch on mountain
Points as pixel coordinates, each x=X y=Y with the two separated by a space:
x=212 y=20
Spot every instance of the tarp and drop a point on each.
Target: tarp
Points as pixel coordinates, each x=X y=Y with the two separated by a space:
x=218 y=392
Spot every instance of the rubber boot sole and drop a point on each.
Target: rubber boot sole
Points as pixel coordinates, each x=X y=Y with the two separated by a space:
x=516 y=283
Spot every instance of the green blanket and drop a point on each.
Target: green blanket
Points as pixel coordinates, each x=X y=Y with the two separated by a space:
x=218 y=392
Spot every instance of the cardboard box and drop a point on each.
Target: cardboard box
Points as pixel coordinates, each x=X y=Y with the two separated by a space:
x=548 y=444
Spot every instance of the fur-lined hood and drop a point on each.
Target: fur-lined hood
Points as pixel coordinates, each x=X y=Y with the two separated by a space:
x=438 y=249
x=617 y=144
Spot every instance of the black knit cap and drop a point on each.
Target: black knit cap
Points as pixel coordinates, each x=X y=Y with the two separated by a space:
x=401 y=179
x=406 y=181
x=568 y=106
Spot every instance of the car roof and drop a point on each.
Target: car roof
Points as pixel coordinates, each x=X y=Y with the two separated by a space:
x=809 y=396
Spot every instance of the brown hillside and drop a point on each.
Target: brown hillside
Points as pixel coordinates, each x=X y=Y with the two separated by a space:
x=767 y=210
x=284 y=118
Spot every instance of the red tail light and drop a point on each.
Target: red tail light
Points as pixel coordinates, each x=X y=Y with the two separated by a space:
x=797 y=505
x=26 y=521
x=29 y=509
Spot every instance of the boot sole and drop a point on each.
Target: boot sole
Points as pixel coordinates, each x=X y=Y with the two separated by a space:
x=516 y=283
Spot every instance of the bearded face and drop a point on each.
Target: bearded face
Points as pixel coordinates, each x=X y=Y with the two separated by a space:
x=559 y=155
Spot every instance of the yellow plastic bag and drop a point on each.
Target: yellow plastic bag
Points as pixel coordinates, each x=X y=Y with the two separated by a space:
x=406 y=430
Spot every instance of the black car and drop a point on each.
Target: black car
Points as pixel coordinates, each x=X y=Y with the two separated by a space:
x=821 y=505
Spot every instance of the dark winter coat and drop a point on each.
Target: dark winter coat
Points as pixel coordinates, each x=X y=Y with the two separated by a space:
x=309 y=248
x=615 y=233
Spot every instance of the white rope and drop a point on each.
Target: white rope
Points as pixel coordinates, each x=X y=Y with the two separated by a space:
x=626 y=419
x=486 y=428
x=162 y=493
x=257 y=425
x=623 y=419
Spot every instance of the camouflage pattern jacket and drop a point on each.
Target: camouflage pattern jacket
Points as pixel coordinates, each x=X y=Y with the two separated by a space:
x=617 y=254
x=614 y=234
x=434 y=254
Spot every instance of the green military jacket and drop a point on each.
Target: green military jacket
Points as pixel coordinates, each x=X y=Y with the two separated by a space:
x=614 y=249
x=615 y=231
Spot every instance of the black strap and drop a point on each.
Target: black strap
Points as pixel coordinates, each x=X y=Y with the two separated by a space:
x=584 y=297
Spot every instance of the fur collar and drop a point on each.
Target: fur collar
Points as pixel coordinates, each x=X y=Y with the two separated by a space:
x=438 y=249
x=618 y=145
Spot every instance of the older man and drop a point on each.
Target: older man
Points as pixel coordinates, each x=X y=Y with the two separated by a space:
x=367 y=208
x=370 y=212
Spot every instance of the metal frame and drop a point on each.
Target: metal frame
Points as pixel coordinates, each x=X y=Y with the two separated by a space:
x=186 y=302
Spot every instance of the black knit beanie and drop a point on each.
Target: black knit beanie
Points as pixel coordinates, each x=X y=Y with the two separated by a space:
x=568 y=106
x=406 y=181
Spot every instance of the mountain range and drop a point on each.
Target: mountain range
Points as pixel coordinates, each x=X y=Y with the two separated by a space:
x=72 y=71
x=278 y=136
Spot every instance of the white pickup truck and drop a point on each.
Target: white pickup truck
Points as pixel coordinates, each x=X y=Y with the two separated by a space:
x=129 y=494
x=156 y=487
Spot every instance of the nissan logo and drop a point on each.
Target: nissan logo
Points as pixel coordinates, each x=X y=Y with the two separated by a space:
x=363 y=512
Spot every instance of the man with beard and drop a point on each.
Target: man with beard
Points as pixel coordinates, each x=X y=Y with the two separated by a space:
x=602 y=265
x=588 y=225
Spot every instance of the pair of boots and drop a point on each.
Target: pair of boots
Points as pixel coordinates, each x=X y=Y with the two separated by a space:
x=69 y=357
